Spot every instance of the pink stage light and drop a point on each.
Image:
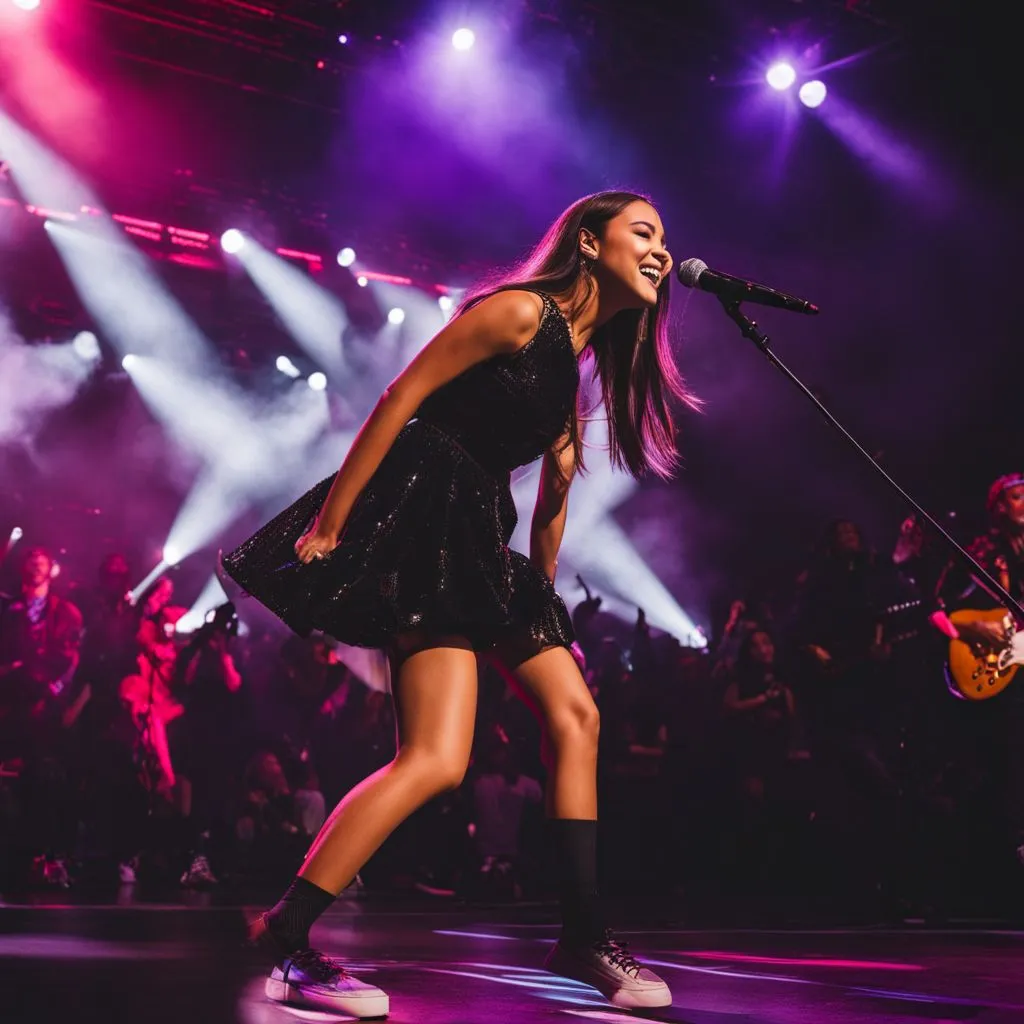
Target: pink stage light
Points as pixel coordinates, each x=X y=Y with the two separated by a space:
x=794 y=961
x=188 y=238
x=42 y=211
x=297 y=254
x=187 y=259
x=189 y=243
x=152 y=225
x=194 y=236
x=152 y=236
x=371 y=275
x=26 y=5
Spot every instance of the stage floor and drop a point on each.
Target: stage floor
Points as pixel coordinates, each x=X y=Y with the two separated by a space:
x=152 y=964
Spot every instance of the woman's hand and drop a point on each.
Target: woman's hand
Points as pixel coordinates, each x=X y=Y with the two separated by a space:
x=315 y=544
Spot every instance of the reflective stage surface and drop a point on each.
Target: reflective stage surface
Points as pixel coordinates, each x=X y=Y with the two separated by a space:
x=168 y=963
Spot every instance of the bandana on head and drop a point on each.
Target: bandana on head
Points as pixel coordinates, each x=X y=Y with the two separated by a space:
x=1000 y=486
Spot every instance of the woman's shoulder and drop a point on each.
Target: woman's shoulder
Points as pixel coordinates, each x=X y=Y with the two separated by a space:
x=501 y=323
x=520 y=310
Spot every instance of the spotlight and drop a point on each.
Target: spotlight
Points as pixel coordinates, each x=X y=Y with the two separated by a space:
x=780 y=76
x=463 y=39
x=86 y=346
x=396 y=316
x=171 y=555
x=16 y=534
x=232 y=240
x=445 y=302
x=362 y=281
x=129 y=361
x=26 y=5
x=343 y=39
x=287 y=367
x=812 y=94
x=346 y=257
x=317 y=381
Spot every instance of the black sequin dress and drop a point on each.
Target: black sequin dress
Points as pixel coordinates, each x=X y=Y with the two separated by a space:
x=425 y=547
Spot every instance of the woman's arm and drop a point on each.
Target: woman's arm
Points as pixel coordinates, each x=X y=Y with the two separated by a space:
x=552 y=506
x=500 y=324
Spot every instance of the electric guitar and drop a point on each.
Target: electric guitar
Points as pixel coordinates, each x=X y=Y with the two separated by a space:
x=975 y=674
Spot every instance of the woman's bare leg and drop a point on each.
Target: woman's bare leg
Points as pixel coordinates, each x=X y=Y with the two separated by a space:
x=551 y=685
x=435 y=699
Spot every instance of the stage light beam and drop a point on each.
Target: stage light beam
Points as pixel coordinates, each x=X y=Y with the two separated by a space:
x=317 y=381
x=346 y=257
x=463 y=39
x=128 y=361
x=396 y=315
x=780 y=76
x=312 y=315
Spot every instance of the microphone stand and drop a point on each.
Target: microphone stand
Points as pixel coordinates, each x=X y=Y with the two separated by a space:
x=984 y=579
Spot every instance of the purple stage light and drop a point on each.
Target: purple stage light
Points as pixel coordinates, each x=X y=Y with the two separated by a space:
x=232 y=240
x=463 y=39
x=780 y=75
x=343 y=39
x=86 y=346
x=812 y=94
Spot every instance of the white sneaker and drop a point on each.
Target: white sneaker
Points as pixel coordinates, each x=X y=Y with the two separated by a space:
x=609 y=967
x=310 y=978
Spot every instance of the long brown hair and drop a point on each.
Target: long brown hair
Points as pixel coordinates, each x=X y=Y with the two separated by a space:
x=632 y=352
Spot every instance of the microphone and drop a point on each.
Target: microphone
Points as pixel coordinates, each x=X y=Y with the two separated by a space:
x=696 y=274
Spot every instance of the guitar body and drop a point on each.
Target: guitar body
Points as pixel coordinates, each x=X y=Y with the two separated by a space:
x=975 y=675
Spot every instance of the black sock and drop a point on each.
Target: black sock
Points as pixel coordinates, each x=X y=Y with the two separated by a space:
x=575 y=848
x=294 y=913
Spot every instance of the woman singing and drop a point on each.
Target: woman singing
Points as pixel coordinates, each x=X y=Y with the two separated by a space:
x=406 y=549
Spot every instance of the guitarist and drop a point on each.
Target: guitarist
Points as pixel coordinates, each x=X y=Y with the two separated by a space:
x=1000 y=550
